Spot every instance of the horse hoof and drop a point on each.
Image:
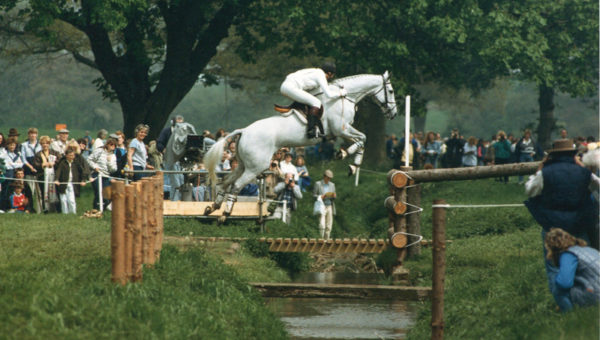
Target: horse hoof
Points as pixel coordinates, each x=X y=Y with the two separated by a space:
x=208 y=210
x=341 y=154
x=221 y=219
x=352 y=170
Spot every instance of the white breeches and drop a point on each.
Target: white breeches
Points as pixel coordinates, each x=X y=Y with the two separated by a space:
x=67 y=201
x=291 y=90
x=326 y=221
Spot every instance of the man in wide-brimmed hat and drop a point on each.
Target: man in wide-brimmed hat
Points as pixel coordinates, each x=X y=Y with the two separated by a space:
x=325 y=190
x=14 y=134
x=560 y=197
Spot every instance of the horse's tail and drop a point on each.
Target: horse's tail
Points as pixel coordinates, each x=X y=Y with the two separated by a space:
x=214 y=155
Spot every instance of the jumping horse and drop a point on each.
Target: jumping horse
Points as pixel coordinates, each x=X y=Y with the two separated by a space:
x=257 y=143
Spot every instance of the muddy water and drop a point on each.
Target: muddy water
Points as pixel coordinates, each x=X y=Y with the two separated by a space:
x=316 y=318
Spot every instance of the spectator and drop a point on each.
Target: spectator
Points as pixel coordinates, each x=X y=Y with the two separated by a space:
x=287 y=166
x=137 y=154
x=165 y=134
x=274 y=177
x=481 y=151
x=390 y=144
x=13 y=159
x=18 y=201
x=431 y=149
x=44 y=162
x=564 y=134
x=231 y=149
x=289 y=192
x=470 y=152
x=120 y=153
x=60 y=144
x=100 y=139
x=20 y=179
x=102 y=161
x=83 y=147
x=225 y=164
x=14 y=134
x=454 y=150
x=399 y=151
x=2 y=145
x=325 y=189
x=28 y=150
x=303 y=175
x=502 y=152
x=525 y=150
x=79 y=161
x=577 y=281
x=89 y=141
x=68 y=179
x=200 y=191
x=220 y=134
x=560 y=197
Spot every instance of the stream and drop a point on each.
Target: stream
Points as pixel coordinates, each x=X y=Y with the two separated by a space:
x=326 y=318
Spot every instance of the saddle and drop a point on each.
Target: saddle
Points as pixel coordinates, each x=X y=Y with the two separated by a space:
x=300 y=107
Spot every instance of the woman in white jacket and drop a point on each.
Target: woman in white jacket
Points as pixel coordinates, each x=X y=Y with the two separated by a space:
x=103 y=161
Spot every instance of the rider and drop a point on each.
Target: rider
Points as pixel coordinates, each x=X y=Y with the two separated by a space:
x=296 y=86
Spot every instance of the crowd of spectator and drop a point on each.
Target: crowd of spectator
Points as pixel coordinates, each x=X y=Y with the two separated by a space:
x=431 y=151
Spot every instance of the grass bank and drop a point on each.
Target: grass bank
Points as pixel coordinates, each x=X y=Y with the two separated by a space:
x=55 y=283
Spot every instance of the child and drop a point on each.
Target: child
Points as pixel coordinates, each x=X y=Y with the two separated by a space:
x=18 y=201
x=578 y=278
x=68 y=178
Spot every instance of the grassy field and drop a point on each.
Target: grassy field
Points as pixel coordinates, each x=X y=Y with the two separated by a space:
x=55 y=271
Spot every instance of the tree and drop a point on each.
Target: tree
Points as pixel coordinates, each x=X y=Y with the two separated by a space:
x=559 y=52
x=150 y=53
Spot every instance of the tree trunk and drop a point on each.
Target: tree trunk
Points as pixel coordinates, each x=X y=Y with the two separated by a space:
x=371 y=122
x=547 y=122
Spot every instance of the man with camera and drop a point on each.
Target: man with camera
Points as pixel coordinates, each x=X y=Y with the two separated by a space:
x=288 y=192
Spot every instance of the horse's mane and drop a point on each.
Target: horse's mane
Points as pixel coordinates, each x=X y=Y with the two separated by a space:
x=341 y=80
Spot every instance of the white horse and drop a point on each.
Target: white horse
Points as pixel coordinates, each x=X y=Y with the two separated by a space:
x=258 y=142
x=174 y=150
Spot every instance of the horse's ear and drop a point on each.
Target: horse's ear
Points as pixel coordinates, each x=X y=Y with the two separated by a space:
x=386 y=75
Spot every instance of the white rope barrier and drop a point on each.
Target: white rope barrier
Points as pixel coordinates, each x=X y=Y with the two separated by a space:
x=450 y=206
x=38 y=181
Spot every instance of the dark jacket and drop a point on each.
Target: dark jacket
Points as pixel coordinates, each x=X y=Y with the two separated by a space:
x=62 y=175
x=163 y=138
x=565 y=201
x=38 y=161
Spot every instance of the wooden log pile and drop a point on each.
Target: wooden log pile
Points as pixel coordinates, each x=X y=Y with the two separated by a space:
x=397 y=208
x=137 y=227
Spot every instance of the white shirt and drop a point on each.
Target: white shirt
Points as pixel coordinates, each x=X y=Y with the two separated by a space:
x=98 y=143
x=289 y=168
x=309 y=79
x=105 y=161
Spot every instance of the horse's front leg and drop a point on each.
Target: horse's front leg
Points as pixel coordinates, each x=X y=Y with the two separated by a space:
x=357 y=148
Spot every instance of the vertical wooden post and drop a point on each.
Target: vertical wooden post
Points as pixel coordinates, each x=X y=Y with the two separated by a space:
x=400 y=220
x=129 y=228
x=414 y=220
x=151 y=194
x=117 y=242
x=145 y=184
x=439 y=269
x=158 y=202
x=137 y=234
x=161 y=225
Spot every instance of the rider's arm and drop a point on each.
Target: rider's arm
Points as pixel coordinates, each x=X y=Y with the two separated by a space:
x=322 y=81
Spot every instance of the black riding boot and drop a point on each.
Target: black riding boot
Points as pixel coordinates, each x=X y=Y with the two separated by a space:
x=313 y=120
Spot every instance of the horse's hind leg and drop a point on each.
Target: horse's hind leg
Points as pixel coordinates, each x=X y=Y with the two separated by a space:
x=236 y=187
x=357 y=148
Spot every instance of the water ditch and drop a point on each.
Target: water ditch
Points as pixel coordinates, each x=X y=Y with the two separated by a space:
x=326 y=318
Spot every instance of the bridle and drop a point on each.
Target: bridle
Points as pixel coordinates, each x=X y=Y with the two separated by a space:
x=387 y=111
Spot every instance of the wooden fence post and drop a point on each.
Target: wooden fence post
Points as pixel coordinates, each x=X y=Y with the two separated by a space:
x=129 y=229
x=151 y=194
x=137 y=234
x=439 y=269
x=117 y=236
x=158 y=195
x=145 y=185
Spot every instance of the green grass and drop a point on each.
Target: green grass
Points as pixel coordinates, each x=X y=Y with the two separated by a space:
x=55 y=283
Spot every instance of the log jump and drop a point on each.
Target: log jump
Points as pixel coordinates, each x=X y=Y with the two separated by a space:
x=136 y=227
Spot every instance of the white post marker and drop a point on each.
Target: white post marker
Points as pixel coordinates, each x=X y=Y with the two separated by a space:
x=100 y=198
x=406 y=130
x=284 y=214
x=356 y=177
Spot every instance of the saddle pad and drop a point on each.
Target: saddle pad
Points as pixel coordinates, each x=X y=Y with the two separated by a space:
x=298 y=114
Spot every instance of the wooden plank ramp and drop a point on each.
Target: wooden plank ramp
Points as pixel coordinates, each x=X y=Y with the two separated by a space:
x=240 y=209
x=356 y=291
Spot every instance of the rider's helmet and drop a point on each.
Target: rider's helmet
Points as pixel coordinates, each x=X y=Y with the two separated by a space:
x=328 y=67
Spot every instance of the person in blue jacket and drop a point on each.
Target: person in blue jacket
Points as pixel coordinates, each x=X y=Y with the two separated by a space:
x=577 y=282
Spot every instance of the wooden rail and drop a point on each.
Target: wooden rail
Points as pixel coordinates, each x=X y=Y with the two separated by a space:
x=351 y=291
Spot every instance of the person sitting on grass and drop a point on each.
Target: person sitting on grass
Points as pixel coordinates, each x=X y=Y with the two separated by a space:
x=18 y=201
x=578 y=278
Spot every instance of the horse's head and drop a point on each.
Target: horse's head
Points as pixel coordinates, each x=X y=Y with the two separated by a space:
x=385 y=97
